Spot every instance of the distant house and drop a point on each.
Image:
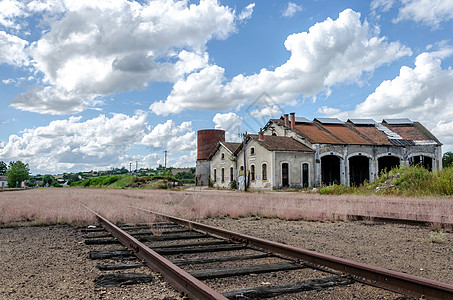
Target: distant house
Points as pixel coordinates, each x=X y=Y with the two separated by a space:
x=3 y=181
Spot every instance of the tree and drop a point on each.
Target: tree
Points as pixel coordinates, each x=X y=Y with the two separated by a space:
x=3 y=168
x=447 y=159
x=48 y=180
x=17 y=172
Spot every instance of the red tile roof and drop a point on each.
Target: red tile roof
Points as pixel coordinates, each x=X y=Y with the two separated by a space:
x=281 y=143
x=359 y=134
x=316 y=134
x=373 y=134
x=232 y=146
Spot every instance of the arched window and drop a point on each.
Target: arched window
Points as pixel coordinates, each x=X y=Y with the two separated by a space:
x=231 y=174
x=264 y=171
x=252 y=151
x=215 y=175
x=252 y=172
x=223 y=174
x=223 y=156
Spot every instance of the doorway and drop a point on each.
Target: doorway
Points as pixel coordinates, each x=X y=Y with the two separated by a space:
x=285 y=174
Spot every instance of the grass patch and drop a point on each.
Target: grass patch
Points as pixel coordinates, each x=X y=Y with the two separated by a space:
x=412 y=181
x=436 y=237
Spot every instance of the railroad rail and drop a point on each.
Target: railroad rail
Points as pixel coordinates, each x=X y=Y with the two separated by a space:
x=190 y=284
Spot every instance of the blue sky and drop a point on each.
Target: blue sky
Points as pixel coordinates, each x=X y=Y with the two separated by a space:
x=91 y=85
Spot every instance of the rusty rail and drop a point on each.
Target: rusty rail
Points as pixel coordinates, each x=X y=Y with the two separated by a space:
x=178 y=278
x=406 y=284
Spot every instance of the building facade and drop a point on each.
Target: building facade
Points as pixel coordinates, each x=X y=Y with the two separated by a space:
x=296 y=152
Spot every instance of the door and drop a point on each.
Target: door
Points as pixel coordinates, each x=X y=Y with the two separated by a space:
x=285 y=177
x=305 y=175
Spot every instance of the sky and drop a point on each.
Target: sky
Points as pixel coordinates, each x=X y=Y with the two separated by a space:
x=94 y=85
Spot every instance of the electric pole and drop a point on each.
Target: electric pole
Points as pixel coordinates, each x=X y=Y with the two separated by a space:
x=130 y=167
x=136 y=166
x=165 y=162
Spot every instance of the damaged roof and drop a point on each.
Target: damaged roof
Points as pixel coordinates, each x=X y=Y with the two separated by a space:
x=396 y=132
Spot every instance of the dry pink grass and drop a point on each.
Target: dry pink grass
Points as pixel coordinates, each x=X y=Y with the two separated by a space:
x=62 y=206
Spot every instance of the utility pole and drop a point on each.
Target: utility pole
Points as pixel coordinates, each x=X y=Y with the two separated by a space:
x=130 y=167
x=244 y=136
x=136 y=166
x=165 y=164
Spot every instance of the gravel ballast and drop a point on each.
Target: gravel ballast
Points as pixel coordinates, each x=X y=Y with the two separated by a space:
x=51 y=262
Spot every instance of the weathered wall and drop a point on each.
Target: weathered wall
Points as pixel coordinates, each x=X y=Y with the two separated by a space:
x=217 y=163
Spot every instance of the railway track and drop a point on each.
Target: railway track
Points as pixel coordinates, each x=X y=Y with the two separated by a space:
x=198 y=260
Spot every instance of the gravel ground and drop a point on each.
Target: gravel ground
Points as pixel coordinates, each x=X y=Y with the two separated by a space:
x=51 y=262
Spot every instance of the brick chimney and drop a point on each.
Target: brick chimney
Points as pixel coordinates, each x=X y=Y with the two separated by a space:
x=293 y=120
x=285 y=116
x=261 y=134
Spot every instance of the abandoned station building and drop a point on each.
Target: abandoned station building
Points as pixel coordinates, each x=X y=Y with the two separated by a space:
x=296 y=152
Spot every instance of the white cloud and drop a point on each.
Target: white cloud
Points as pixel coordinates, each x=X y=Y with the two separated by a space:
x=97 y=144
x=9 y=10
x=171 y=137
x=12 y=50
x=71 y=143
x=246 y=13
x=428 y=12
x=267 y=111
x=383 y=5
x=331 y=52
x=417 y=93
x=96 y=48
x=231 y=123
x=291 y=9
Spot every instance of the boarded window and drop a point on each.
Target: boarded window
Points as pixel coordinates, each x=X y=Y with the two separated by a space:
x=264 y=171
x=252 y=172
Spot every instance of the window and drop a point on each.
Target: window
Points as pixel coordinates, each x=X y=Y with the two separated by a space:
x=215 y=175
x=223 y=156
x=252 y=172
x=231 y=174
x=252 y=151
x=223 y=174
x=264 y=171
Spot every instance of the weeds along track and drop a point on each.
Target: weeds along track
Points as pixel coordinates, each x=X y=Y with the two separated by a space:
x=205 y=262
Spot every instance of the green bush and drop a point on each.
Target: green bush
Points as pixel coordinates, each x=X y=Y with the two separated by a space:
x=336 y=189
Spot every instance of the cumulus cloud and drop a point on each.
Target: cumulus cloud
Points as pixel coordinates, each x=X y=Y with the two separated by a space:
x=291 y=9
x=102 y=142
x=231 y=123
x=331 y=52
x=172 y=137
x=428 y=12
x=417 y=93
x=63 y=144
x=91 y=49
